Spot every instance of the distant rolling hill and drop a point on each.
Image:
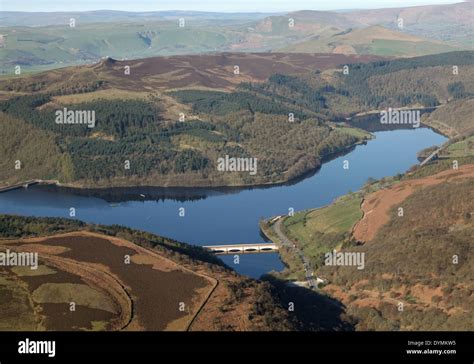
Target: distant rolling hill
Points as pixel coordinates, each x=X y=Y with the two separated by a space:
x=35 y=19
x=371 y=40
x=40 y=41
x=56 y=46
x=450 y=22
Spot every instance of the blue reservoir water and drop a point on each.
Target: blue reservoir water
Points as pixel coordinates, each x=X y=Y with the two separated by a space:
x=232 y=216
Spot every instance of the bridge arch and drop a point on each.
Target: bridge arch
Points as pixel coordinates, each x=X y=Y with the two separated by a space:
x=243 y=248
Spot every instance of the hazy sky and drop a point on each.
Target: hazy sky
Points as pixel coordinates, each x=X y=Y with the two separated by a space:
x=206 y=5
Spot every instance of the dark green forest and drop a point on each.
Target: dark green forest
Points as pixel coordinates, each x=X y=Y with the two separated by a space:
x=356 y=82
x=135 y=132
x=131 y=139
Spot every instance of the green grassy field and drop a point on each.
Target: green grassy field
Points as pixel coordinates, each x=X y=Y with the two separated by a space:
x=28 y=272
x=461 y=151
x=375 y=40
x=462 y=148
x=321 y=230
x=387 y=47
x=80 y=294
x=358 y=133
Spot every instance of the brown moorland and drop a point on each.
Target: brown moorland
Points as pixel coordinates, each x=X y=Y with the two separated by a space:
x=377 y=205
x=85 y=264
x=148 y=291
x=210 y=71
x=418 y=268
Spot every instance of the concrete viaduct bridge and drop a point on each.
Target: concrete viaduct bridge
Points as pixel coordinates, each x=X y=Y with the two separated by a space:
x=242 y=248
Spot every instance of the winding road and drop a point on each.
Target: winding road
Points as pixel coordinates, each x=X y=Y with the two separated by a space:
x=309 y=273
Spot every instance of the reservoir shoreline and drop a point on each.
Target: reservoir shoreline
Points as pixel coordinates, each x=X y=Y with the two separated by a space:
x=230 y=215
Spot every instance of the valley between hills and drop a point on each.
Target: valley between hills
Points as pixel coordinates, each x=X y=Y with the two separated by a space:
x=177 y=116
x=290 y=92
